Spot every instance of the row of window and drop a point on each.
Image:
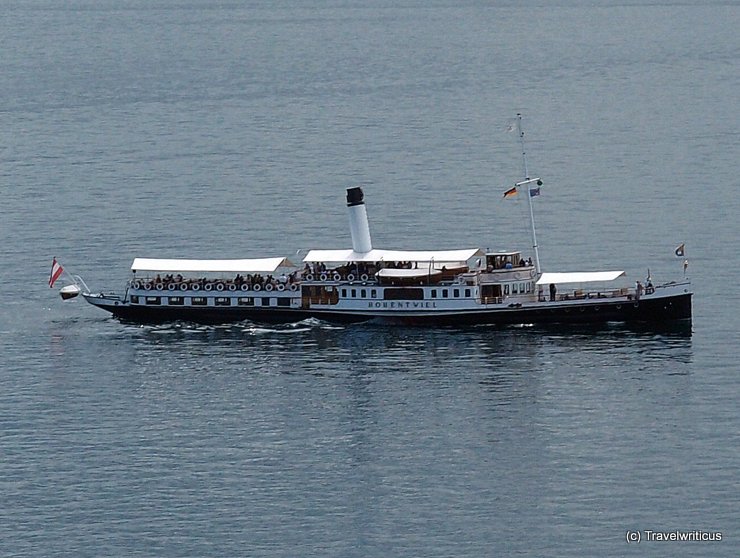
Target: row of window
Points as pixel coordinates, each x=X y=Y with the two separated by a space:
x=519 y=288
x=455 y=293
x=203 y=301
x=435 y=293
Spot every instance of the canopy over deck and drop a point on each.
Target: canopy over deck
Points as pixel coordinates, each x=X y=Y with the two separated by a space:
x=392 y=255
x=579 y=277
x=390 y=273
x=210 y=266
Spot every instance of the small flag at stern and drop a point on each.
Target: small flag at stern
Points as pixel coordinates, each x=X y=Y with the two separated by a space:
x=510 y=193
x=56 y=271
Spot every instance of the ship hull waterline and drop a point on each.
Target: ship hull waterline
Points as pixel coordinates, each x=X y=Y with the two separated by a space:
x=674 y=308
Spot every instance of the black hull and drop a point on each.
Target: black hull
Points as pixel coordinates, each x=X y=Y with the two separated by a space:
x=668 y=309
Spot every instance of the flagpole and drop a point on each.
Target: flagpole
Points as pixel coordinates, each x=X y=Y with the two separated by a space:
x=527 y=181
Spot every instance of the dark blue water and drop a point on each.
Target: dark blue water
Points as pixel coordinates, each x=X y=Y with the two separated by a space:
x=231 y=130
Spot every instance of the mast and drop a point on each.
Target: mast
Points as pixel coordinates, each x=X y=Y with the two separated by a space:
x=527 y=181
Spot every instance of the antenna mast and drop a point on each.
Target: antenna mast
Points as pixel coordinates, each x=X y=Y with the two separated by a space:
x=527 y=181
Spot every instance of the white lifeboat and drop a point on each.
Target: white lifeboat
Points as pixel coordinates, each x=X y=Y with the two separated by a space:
x=69 y=291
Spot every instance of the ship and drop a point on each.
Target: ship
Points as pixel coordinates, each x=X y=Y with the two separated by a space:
x=462 y=287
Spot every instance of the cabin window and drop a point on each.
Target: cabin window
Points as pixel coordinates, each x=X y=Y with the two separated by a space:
x=373 y=293
x=344 y=293
x=444 y=293
x=456 y=293
x=506 y=290
x=283 y=301
x=354 y=293
x=153 y=300
x=245 y=301
x=521 y=287
x=199 y=301
x=363 y=293
x=223 y=301
x=467 y=293
x=176 y=301
x=434 y=293
x=134 y=299
x=514 y=288
x=263 y=302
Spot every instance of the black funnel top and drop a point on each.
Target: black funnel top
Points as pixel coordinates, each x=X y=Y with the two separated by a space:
x=354 y=196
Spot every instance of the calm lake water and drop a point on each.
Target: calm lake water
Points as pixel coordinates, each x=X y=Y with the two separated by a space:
x=201 y=129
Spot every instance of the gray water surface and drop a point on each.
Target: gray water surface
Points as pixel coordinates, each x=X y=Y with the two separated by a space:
x=199 y=129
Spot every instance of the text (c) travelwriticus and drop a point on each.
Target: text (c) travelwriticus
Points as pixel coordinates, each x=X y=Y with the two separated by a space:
x=650 y=535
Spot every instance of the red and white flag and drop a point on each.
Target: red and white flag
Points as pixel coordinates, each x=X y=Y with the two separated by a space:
x=56 y=271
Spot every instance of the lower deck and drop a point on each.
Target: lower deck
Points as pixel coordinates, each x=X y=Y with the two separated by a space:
x=446 y=305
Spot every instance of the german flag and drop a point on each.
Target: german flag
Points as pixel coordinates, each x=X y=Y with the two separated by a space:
x=510 y=193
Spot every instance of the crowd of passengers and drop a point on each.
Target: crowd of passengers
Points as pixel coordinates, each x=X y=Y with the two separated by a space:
x=509 y=265
x=358 y=269
x=316 y=270
x=237 y=281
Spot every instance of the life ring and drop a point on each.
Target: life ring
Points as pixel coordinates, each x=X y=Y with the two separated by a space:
x=171 y=287
x=232 y=287
x=196 y=287
x=323 y=277
x=281 y=287
x=257 y=287
x=245 y=287
x=219 y=286
x=183 y=287
x=350 y=277
x=309 y=277
x=337 y=277
x=293 y=287
x=460 y=281
x=364 y=277
x=160 y=287
x=268 y=287
x=147 y=286
x=209 y=286
x=136 y=285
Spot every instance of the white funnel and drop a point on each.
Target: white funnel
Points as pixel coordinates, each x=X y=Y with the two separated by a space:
x=358 y=224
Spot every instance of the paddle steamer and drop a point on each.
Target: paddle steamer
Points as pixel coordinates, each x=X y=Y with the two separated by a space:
x=445 y=287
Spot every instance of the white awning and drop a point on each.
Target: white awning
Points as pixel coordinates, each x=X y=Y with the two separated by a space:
x=392 y=255
x=210 y=266
x=579 y=277
x=407 y=273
